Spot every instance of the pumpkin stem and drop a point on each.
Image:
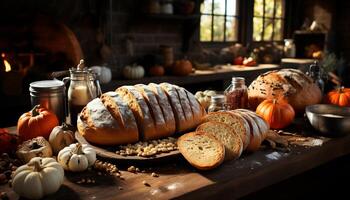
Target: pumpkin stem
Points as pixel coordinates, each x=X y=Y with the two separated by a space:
x=37 y=167
x=78 y=149
x=274 y=101
x=34 y=111
x=340 y=89
x=35 y=145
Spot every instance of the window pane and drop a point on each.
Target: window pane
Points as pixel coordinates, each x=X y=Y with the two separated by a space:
x=258 y=7
x=278 y=35
x=231 y=29
x=231 y=7
x=268 y=29
x=206 y=7
x=218 y=28
x=280 y=8
x=205 y=31
x=257 y=28
x=269 y=6
x=219 y=7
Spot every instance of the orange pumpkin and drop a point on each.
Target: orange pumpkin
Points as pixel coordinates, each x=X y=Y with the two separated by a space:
x=156 y=70
x=37 y=122
x=182 y=68
x=339 y=96
x=278 y=113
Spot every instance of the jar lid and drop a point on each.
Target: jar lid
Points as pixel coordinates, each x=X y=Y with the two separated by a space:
x=46 y=85
x=218 y=98
x=238 y=79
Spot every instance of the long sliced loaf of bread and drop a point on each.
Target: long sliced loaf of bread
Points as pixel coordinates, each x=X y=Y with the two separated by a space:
x=223 y=132
x=236 y=122
x=142 y=113
x=201 y=150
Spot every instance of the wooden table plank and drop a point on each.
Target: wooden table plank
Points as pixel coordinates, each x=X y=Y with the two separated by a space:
x=178 y=180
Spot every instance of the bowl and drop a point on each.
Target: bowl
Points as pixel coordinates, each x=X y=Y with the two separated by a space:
x=329 y=120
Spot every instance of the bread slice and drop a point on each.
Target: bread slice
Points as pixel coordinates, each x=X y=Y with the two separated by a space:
x=98 y=126
x=223 y=132
x=140 y=109
x=165 y=106
x=155 y=109
x=180 y=119
x=261 y=123
x=201 y=150
x=186 y=107
x=197 y=109
x=255 y=136
x=236 y=122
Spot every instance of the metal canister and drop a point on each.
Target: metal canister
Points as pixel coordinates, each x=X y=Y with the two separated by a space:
x=50 y=94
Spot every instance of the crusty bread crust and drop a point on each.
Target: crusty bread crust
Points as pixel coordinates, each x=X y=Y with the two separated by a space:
x=293 y=84
x=98 y=126
x=261 y=123
x=201 y=150
x=255 y=136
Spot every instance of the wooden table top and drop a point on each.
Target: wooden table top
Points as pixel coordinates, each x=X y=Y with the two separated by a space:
x=179 y=180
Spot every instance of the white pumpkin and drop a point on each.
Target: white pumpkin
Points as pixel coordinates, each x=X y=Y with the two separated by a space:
x=77 y=157
x=104 y=74
x=60 y=137
x=38 y=178
x=133 y=72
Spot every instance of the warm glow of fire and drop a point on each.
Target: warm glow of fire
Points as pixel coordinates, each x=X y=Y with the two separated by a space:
x=6 y=63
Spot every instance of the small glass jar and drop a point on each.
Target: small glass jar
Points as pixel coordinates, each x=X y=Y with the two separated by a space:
x=289 y=48
x=237 y=94
x=217 y=103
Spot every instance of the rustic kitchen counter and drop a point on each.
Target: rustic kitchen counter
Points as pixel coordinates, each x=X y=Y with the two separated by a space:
x=224 y=73
x=177 y=179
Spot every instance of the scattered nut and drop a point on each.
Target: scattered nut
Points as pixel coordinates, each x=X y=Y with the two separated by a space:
x=120 y=188
x=154 y=174
x=148 y=149
x=146 y=184
x=132 y=169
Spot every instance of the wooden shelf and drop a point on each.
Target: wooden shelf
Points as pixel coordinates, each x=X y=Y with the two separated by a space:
x=203 y=76
x=171 y=16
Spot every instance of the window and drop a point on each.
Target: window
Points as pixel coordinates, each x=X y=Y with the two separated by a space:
x=219 y=21
x=268 y=20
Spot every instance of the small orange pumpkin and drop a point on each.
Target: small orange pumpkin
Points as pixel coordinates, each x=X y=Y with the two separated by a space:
x=37 y=122
x=182 y=68
x=156 y=70
x=278 y=113
x=339 y=96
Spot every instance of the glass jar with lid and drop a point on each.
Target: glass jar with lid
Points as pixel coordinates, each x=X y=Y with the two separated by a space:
x=237 y=94
x=82 y=89
x=217 y=103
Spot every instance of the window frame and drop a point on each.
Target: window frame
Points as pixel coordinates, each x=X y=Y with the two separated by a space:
x=225 y=15
x=273 y=18
x=245 y=16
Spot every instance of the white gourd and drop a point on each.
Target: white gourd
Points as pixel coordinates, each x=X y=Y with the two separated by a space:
x=77 y=157
x=60 y=137
x=133 y=72
x=104 y=74
x=38 y=178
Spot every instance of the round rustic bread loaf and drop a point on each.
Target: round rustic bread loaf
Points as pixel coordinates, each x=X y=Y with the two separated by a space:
x=293 y=84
